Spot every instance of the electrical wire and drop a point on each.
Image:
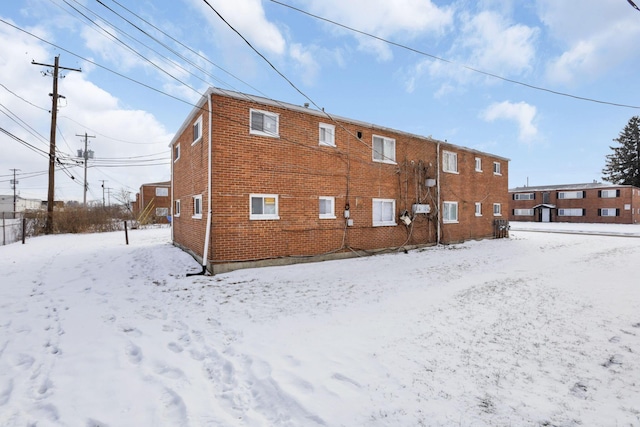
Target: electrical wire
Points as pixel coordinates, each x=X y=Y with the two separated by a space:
x=466 y=67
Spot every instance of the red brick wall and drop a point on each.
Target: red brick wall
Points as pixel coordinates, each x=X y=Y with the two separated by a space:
x=629 y=198
x=146 y=196
x=297 y=169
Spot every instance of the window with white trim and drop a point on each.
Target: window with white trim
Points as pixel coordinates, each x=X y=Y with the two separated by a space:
x=608 y=212
x=327 y=207
x=570 y=194
x=176 y=152
x=264 y=123
x=327 y=135
x=162 y=192
x=197 y=130
x=162 y=211
x=384 y=212
x=449 y=162
x=609 y=194
x=384 y=149
x=263 y=206
x=176 y=207
x=497 y=168
x=570 y=212
x=523 y=212
x=478 y=164
x=450 y=212
x=497 y=209
x=197 y=206
x=524 y=196
x=478 y=209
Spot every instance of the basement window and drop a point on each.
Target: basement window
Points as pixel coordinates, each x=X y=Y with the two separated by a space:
x=264 y=123
x=162 y=211
x=523 y=212
x=263 y=206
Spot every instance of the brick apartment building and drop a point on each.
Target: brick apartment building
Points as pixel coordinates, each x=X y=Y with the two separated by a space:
x=261 y=182
x=591 y=202
x=153 y=203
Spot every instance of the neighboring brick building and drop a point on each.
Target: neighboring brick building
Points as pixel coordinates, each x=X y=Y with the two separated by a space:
x=592 y=202
x=153 y=203
x=283 y=177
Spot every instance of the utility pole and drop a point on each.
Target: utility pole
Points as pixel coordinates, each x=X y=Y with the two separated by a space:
x=14 y=184
x=86 y=156
x=109 y=196
x=103 y=181
x=52 y=138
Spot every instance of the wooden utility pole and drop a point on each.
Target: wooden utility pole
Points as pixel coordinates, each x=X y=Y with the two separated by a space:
x=85 y=156
x=52 y=139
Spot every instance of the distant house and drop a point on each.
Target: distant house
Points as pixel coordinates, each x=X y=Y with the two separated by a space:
x=262 y=182
x=153 y=203
x=591 y=202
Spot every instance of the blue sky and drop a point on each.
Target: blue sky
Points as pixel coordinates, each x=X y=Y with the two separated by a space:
x=424 y=83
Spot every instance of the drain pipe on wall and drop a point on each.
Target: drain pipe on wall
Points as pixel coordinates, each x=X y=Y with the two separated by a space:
x=438 y=210
x=207 y=235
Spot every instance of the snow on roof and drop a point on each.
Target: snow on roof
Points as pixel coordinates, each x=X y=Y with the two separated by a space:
x=585 y=186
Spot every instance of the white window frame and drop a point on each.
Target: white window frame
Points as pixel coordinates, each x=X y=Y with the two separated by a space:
x=197 y=207
x=570 y=212
x=497 y=209
x=176 y=153
x=524 y=196
x=565 y=195
x=332 y=211
x=523 y=212
x=162 y=192
x=262 y=215
x=478 y=164
x=449 y=162
x=327 y=135
x=176 y=208
x=497 y=168
x=478 y=209
x=197 y=131
x=262 y=132
x=378 y=216
x=386 y=153
x=608 y=194
x=608 y=212
x=164 y=212
x=447 y=216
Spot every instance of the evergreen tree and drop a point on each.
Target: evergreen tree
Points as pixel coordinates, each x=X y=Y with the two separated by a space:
x=623 y=166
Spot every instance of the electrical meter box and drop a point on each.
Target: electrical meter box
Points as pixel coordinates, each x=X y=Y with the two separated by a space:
x=421 y=209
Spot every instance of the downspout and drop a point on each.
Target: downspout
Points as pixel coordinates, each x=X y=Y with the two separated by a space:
x=439 y=210
x=205 y=251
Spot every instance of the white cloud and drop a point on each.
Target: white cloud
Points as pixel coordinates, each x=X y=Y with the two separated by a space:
x=248 y=18
x=120 y=132
x=595 y=36
x=400 y=19
x=522 y=113
x=307 y=65
x=495 y=45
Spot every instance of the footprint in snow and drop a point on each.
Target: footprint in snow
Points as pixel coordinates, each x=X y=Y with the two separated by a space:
x=133 y=353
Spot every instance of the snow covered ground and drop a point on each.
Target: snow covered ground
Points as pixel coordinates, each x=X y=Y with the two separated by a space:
x=537 y=330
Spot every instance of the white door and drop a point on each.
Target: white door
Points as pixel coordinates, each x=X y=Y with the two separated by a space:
x=546 y=215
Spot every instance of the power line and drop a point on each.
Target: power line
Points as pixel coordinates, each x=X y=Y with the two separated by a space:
x=466 y=67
